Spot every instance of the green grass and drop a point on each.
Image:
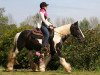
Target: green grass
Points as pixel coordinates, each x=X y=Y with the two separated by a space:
x=50 y=73
x=24 y=72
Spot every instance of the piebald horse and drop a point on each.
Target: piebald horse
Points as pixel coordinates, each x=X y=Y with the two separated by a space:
x=60 y=35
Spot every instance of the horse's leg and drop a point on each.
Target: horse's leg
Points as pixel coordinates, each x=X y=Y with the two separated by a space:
x=43 y=62
x=63 y=62
x=44 y=58
x=11 y=58
x=47 y=55
x=52 y=51
x=47 y=60
x=34 y=66
x=42 y=65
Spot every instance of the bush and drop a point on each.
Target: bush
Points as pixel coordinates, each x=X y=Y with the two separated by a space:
x=84 y=55
x=6 y=43
x=81 y=56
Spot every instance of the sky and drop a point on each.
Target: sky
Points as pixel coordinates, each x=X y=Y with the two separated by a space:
x=76 y=9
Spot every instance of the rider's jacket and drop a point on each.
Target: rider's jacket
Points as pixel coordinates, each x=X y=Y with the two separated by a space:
x=44 y=16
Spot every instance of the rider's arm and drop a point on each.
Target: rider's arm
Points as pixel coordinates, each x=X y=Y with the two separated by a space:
x=44 y=20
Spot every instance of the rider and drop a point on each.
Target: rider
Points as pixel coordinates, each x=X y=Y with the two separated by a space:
x=45 y=24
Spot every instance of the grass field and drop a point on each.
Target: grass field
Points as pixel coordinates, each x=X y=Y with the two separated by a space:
x=50 y=73
x=23 y=72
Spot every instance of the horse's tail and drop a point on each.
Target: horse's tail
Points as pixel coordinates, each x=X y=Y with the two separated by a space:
x=15 y=41
x=16 y=38
x=12 y=54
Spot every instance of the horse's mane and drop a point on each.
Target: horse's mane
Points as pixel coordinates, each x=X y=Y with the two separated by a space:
x=63 y=29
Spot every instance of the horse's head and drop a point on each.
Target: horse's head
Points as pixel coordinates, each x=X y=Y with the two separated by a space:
x=76 y=32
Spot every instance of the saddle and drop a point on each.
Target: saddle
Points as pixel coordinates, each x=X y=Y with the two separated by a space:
x=37 y=33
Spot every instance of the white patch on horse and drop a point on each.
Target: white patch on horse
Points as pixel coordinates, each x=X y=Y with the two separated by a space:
x=82 y=33
x=56 y=39
x=61 y=31
x=40 y=41
x=15 y=42
x=66 y=65
x=16 y=37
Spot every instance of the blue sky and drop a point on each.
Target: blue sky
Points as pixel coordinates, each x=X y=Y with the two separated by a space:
x=77 y=9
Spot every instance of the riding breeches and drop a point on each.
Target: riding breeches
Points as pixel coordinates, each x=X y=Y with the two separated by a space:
x=46 y=34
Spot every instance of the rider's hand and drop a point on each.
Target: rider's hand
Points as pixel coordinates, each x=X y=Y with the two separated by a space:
x=51 y=27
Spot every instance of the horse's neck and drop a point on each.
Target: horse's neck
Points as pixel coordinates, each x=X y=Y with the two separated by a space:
x=63 y=30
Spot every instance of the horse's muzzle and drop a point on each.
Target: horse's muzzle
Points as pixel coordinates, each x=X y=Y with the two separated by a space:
x=81 y=40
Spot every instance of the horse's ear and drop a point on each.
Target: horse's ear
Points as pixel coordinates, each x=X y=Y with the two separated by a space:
x=76 y=23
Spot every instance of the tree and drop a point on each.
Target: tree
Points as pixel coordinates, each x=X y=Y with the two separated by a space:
x=69 y=20
x=11 y=19
x=58 y=21
x=94 y=21
x=84 y=24
x=3 y=18
x=32 y=20
x=4 y=26
x=62 y=21
x=1 y=11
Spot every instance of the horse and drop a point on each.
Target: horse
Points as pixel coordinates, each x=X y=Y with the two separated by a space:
x=28 y=40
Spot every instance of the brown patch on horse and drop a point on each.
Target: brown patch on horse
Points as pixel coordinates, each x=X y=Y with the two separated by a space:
x=76 y=32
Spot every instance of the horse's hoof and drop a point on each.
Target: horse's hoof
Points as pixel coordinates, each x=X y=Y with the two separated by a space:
x=68 y=68
x=9 y=69
x=35 y=70
x=42 y=70
x=68 y=71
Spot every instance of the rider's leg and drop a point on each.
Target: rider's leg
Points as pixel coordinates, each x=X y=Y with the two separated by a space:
x=46 y=35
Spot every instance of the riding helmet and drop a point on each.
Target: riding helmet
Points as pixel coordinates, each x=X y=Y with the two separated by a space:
x=43 y=4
